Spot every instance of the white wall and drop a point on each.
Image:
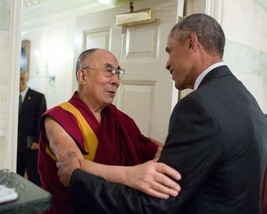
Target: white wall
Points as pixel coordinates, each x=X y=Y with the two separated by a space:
x=52 y=58
x=52 y=62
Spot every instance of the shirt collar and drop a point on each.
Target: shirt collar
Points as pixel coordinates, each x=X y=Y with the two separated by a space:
x=205 y=72
x=23 y=93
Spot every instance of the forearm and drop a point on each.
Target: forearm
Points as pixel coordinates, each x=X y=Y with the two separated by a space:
x=160 y=147
x=114 y=174
x=155 y=179
x=152 y=178
x=157 y=155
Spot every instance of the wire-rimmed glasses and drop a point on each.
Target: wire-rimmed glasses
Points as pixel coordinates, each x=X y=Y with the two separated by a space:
x=110 y=71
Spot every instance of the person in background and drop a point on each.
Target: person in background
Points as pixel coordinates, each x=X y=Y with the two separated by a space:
x=215 y=139
x=32 y=105
x=96 y=130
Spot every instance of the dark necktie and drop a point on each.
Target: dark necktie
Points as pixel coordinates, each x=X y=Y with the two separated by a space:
x=20 y=102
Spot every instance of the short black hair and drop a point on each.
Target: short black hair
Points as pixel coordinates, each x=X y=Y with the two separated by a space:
x=209 y=32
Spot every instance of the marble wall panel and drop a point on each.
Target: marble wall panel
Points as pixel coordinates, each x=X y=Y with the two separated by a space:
x=246 y=45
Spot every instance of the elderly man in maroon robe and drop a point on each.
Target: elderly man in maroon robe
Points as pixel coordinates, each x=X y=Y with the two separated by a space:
x=92 y=127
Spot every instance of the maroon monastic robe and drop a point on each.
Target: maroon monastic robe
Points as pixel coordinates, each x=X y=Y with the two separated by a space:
x=116 y=141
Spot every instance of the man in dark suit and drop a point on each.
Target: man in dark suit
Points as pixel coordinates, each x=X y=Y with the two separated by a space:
x=32 y=105
x=215 y=134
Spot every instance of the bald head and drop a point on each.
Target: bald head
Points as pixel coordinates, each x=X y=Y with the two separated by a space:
x=84 y=55
x=87 y=56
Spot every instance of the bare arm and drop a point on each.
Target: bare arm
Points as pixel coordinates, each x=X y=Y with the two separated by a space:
x=149 y=177
x=60 y=142
x=160 y=147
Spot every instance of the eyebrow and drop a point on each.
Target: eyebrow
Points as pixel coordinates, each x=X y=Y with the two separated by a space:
x=109 y=65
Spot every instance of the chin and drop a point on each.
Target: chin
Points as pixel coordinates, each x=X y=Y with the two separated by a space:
x=108 y=102
x=180 y=87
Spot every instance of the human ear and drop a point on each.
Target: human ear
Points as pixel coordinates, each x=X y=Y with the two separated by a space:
x=192 y=41
x=81 y=75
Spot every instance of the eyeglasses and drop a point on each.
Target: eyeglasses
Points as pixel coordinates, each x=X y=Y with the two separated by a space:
x=110 y=71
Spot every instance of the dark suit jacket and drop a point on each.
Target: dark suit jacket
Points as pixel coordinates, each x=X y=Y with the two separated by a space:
x=214 y=138
x=33 y=107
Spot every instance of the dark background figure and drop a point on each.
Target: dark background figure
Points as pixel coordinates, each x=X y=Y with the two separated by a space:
x=32 y=105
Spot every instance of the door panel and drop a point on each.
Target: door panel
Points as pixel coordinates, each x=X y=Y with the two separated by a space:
x=97 y=38
x=141 y=108
x=140 y=43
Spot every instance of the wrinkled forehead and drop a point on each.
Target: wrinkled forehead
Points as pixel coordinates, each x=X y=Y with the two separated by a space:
x=102 y=58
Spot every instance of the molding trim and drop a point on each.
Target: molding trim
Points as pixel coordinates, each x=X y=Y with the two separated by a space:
x=214 y=9
x=13 y=85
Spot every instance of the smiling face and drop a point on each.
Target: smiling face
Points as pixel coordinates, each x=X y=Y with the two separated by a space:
x=180 y=63
x=96 y=88
x=193 y=45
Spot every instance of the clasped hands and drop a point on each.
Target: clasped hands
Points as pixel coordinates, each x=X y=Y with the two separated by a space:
x=153 y=178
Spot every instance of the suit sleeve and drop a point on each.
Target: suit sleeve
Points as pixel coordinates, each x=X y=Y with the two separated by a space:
x=192 y=147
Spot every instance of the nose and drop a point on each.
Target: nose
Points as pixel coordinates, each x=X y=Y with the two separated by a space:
x=168 y=67
x=115 y=80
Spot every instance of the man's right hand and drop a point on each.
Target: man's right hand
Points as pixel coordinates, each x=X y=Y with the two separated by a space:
x=155 y=179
